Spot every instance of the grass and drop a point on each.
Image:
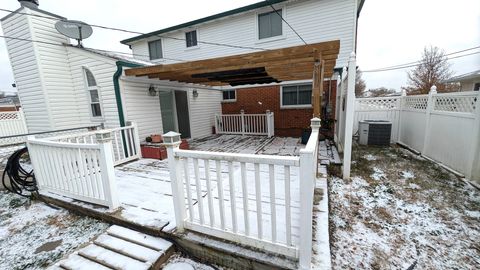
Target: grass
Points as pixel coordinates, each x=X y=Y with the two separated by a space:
x=398 y=210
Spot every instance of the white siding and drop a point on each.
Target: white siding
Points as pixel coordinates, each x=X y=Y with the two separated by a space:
x=315 y=20
x=26 y=72
x=103 y=69
x=141 y=108
x=202 y=111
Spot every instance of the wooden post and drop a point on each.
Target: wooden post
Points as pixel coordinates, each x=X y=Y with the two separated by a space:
x=317 y=89
x=172 y=141
x=350 y=111
x=242 y=114
x=217 y=124
x=430 y=106
x=104 y=138
x=136 y=138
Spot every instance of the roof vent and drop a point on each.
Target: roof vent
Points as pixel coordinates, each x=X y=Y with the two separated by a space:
x=29 y=3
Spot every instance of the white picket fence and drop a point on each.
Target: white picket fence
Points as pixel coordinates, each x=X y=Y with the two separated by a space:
x=81 y=166
x=12 y=123
x=125 y=142
x=257 y=200
x=245 y=124
x=444 y=127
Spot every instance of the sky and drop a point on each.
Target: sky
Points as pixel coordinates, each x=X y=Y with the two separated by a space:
x=390 y=32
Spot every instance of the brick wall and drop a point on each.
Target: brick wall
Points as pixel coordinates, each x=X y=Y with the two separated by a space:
x=288 y=122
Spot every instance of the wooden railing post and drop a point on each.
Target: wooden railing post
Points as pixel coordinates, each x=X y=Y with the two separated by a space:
x=104 y=139
x=172 y=141
x=217 y=124
x=308 y=167
x=430 y=107
x=270 y=124
x=349 y=113
x=242 y=115
x=136 y=138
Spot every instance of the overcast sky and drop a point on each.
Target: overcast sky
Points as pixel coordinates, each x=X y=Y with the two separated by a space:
x=390 y=31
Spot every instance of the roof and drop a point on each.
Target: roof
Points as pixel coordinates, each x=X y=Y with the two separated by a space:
x=285 y=64
x=465 y=77
x=205 y=19
x=34 y=9
x=114 y=56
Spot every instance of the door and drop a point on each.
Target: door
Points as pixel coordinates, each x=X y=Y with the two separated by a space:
x=181 y=104
x=167 y=110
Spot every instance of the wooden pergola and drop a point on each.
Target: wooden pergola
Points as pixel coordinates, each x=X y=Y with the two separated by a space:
x=313 y=61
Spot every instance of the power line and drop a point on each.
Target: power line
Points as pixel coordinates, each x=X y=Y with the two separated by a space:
x=139 y=33
x=283 y=19
x=414 y=65
x=87 y=48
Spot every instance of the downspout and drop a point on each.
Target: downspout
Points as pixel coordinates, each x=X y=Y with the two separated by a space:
x=116 y=86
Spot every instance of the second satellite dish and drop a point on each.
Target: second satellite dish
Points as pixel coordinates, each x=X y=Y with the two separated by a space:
x=74 y=29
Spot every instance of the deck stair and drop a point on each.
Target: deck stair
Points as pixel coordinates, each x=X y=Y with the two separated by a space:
x=119 y=248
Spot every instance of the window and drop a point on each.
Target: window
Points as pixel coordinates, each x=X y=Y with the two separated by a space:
x=476 y=87
x=191 y=38
x=155 y=49
x=229 y=95
x=269 y=24
x=297 y=95
x=92 y=88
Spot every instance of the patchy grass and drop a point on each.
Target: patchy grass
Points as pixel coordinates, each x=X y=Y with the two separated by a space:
x=34 y=235
x=400 y=210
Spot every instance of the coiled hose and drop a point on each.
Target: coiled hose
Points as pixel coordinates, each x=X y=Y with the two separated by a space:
x=19 y=180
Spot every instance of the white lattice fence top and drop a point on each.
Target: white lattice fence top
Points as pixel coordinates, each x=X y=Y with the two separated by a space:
x=377 y=104
x=465 y=104
x=415 y=103
x=9 y=115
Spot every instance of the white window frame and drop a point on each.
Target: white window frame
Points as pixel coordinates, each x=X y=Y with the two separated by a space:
x=275 y=38
x=161 y=46
x=303 y=106
x=474 y=83
x=230 y=100
x=89 y=97
x=198 y=38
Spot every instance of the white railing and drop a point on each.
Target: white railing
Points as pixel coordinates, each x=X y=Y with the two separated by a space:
x=12 y=123
x=258 y=200
x=444 y=127
x=245 y=124
x=82 y=171
x=125 y=142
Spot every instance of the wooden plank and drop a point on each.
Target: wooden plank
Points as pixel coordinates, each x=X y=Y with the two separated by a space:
x=145 y=240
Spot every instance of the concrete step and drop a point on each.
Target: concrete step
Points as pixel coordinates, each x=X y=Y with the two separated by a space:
x=121 y=249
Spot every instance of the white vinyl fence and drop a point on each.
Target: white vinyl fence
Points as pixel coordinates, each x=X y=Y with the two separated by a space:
x=245 y=124
x=258 y=200
x=12 y=123
x=81 y=166
x=444 y=127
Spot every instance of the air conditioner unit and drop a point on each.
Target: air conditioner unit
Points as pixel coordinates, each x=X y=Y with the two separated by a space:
x=374 y=132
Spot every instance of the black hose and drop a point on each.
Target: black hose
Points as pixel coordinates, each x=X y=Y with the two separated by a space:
x=19 y=180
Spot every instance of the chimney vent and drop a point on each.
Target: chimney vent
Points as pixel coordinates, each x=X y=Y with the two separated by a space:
x=29 y=3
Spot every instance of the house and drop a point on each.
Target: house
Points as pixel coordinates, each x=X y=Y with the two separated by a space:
x=468 y=82
x=65 y=86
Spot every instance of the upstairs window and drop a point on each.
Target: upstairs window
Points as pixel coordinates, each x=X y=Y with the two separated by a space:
x=155 y=49
x=476 y=87
x=191 y=38
x=297 y=95
x=229 y=95
x=269 y=24
x=93 y=95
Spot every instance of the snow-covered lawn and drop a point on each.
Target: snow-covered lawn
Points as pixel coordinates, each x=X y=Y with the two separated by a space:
x=400 y=210
x=34 y=235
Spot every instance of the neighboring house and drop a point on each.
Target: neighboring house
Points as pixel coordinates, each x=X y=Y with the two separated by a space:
x=468 y=81
x=64 y=86
x=259 y=26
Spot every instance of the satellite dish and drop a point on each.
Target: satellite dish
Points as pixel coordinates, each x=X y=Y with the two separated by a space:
x=74 y=29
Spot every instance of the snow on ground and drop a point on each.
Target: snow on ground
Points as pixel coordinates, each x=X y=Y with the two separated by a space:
x=34 y=235
x=179 y=262
x=400 y=210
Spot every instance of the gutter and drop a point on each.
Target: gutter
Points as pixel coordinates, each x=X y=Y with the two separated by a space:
x=116 y=86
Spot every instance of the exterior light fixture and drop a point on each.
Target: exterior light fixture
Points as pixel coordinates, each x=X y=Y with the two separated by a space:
x=195 y=93
x=151 y=91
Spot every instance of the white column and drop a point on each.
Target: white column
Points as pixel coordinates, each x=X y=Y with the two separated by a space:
x=172 y=141
x=217 y=119
x=308 y=169
x=350 y=110
x=430 y=107
x=104 y=139
x=136 y=138
x=242 y=114
x=474 y=172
